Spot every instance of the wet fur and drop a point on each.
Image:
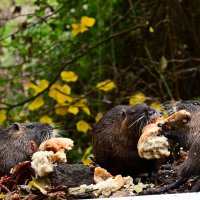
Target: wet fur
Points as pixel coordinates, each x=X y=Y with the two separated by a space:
x=115 y=140
x=189 y=138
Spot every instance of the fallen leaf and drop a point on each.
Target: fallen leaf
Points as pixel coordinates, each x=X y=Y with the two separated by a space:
x=41 y=184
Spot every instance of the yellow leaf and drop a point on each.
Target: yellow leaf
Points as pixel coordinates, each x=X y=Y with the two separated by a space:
x=34 y=87
x=163 y=63
x=82 y=104
x=2 y=117
x=63 y=97
x=156 y=105
x=78 y=28
x=69 y=76
x=82 y=27
x=87 y=21
x=98 y=116
x=151 y=29
x=106 y=85
x=46 y=119
x=82 y=126
x=61 y=110
x=75 y=26
x=86 y=110
x=66 y=108
x=137 y=98
x=42 y=85
x=85 y=159
x=56 y=95
x=73 y=109
x=37 y=103
x=66 y=89
x=40 y=183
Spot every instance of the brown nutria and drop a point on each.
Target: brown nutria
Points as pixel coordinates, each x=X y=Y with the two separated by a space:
x=115 y=139
x=189 y=138
x=19 y=141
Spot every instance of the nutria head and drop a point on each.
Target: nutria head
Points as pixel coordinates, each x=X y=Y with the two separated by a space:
x=171 y=107
x=123 y=123
x=189 y=105
x=19 y=141
x=38 y=132
x=134 y=118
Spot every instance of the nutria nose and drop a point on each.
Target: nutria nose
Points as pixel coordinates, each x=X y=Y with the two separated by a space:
x=49 y=126
x=151 y=113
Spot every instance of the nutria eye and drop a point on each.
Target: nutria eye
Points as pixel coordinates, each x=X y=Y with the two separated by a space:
x=30 y=126
x=123 y=113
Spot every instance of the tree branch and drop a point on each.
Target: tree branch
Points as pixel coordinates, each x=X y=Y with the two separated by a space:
x=84 y=51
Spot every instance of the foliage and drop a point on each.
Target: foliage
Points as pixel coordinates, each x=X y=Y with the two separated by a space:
x=67 y=62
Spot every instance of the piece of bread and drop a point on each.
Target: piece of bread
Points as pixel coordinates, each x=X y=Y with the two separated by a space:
x=101 y=174
x=56 y=144
x=151 y=144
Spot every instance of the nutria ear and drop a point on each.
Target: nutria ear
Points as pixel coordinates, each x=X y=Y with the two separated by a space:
x=123 y=113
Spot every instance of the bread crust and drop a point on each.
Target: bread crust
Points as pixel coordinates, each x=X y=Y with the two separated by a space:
x=151 y=144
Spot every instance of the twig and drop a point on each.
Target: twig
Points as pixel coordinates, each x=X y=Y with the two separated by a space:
x=42 y=19
x=80 y=54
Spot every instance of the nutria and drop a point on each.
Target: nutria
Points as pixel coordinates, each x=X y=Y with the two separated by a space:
x=115 y=139
x=189 y=138
x=19 y=141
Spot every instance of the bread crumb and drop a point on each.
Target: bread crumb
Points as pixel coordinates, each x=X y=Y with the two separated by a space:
x=42 y=162
x=50 y=152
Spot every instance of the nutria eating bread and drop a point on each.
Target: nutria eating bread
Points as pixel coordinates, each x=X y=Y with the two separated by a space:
x=188 y=137
x=115 y=139
x=19 y=141
x=152 y=144
x=185 y=135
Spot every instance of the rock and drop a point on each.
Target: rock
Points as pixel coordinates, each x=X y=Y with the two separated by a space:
x=71 y=175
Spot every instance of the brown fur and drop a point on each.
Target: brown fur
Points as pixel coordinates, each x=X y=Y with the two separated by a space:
x=189 y=138
x=19 y=141
x=115 y=140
